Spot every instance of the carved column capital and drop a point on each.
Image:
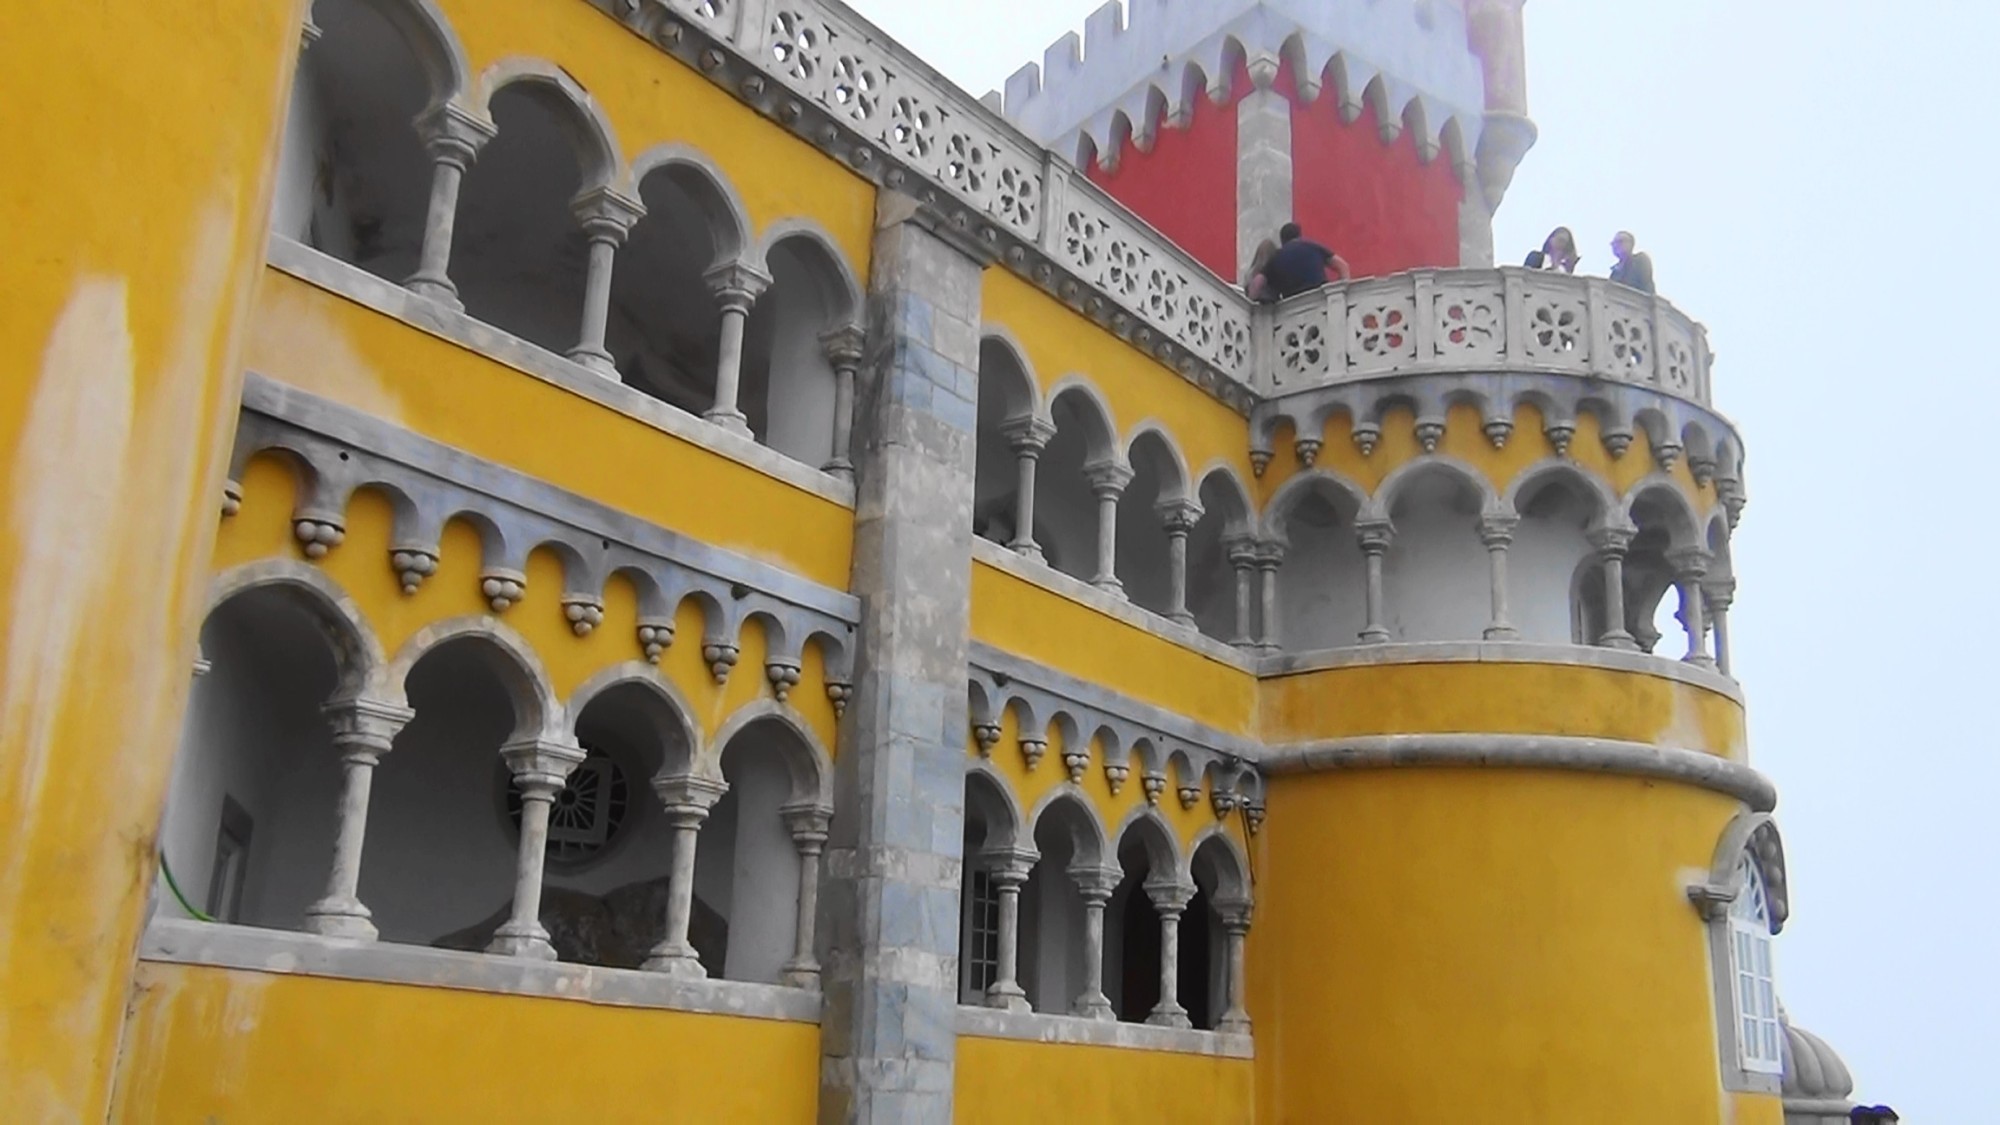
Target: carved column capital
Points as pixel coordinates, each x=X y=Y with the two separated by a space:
x=364 y=728
x=1690 y=563
x=1611 y=542
x=808 y=824
x=1027 y=437
x=736 y=285
x=1241 y=551
x=1178 y=517
x=1270 y=553
x=1720 y=592
x=1497 y=529
x=1010 y=866
x=1096 y=883
x=541 y=763
x=1107 y=479
x=1235 y=914
x=844 y=346
x=1169 y=896
x=1375 y=536
x=453 y=134
x=688 y=797
x=606 y=215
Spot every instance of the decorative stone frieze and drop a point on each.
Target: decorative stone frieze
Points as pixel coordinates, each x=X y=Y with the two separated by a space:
x=1077 y=761
x=1308 y=450
x=318 y=534
x=1032 y=750
x=1190 y=796
x=783 y=676
x=838 y=693
x=1115 y=774
x=412 y=565
x=1366 y=435
x=985 y=735
x=502 y=588
x=720 y=656
x=655 y=636
x=584 y=612
x=1430 y=431
x=1155 y=786
x=232 y=498
x=1497 y=431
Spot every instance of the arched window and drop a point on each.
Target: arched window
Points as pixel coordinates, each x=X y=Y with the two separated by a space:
x=748 y=865
x=1759 y=1038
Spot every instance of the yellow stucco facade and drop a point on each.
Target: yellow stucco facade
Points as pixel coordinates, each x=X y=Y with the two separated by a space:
x=433 y=525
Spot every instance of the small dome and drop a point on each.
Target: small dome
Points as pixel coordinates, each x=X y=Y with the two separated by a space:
x=1812 y=1068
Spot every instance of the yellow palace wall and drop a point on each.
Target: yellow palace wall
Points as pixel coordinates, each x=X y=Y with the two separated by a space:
x=1506 y=909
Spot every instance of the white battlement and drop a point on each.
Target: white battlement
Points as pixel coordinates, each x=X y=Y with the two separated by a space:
x=1130 y=71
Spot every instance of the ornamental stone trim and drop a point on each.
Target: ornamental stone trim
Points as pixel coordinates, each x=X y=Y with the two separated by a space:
x=174 y=941
x=1037 y=1027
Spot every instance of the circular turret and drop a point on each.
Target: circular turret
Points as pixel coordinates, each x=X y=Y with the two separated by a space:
x=1818 y=1088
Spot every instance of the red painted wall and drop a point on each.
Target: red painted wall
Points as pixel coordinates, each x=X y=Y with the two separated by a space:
x=1377 y=205
x=1186 y=186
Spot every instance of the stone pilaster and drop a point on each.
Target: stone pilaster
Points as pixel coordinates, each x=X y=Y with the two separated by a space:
x=1263 y=165
x=894 y=862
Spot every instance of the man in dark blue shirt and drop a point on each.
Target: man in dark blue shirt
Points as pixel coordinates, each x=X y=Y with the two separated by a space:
x=1300 y=265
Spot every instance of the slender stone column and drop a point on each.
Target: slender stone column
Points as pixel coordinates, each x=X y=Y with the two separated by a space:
x=1009 y=869
x=808 y=825
x=1263 y=164
x=363 y=731
x=1242 y=552
x=1690 y=567
x=1235 y=926
x=1095 y=884
x=1179 y=518
x=1107 y=482
x=453 y=137
x=1171 y=900
x=894 y=862
x=1027 y=437
x=540 y=767
x=606 y=217
x=686 y=799
x=1270 y=556
x=1611 y=544
x=1375 y=536
x=1497 y=532
x=736 y=286
x=1721 y=594
x=843 y=351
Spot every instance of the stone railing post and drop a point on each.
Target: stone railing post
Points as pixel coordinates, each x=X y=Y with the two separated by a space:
x=808 y=825
x=1611 y=544
x=1242 y=552
x=606 y=217
x=1095 y=884
x=1496 y=531
x=686 y=799
x=843 y=347
x=1235 y=913
x=1009 y=869
x=540 y=767
x=1178 y=517
x=453 y=137
x=1027 y=437
x=1375 y=537
x=736 y=286
x=1107 y=482
x=1171 y=900
x=1690 y=567
x=363 y=731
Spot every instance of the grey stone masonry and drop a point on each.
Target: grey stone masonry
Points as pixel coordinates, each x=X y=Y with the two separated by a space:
x=894 y=857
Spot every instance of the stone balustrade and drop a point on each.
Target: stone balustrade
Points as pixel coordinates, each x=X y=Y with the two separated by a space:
x=1481 y=320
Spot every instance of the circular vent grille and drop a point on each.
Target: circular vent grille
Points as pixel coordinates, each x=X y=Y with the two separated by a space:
x=586 y=815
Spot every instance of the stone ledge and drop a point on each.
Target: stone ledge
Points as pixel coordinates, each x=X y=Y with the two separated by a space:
x=1500 y=652
x=1527 y=751
x=424 y=315
x=184 y=942
x=1075 y=589
x=992 y=1023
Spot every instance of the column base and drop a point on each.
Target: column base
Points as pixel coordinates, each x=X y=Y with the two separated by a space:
x=804 y=976
x=1702 y=661
x=1501 y=633
x=731 y=420
x=597 y=359
x=1029 y=551
x=1234 y=1023
x=439 y=289
x=839 y=467
x=1164 y=1016
x=340 y=918
x=1008 y=997
x=1620 y=640
x=1377 y=636
x=676 y=961
x=1110 y=586
x=1094 y=1007
x=1182 y=618
x=528 y=941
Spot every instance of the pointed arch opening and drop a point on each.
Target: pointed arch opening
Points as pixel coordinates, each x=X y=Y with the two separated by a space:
x=747 y=866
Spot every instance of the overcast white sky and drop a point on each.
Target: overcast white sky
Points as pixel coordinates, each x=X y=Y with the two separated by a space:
x=1815 y=181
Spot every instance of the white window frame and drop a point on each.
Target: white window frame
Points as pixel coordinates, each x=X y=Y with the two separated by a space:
x=981 y=959
x=1753 y=987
